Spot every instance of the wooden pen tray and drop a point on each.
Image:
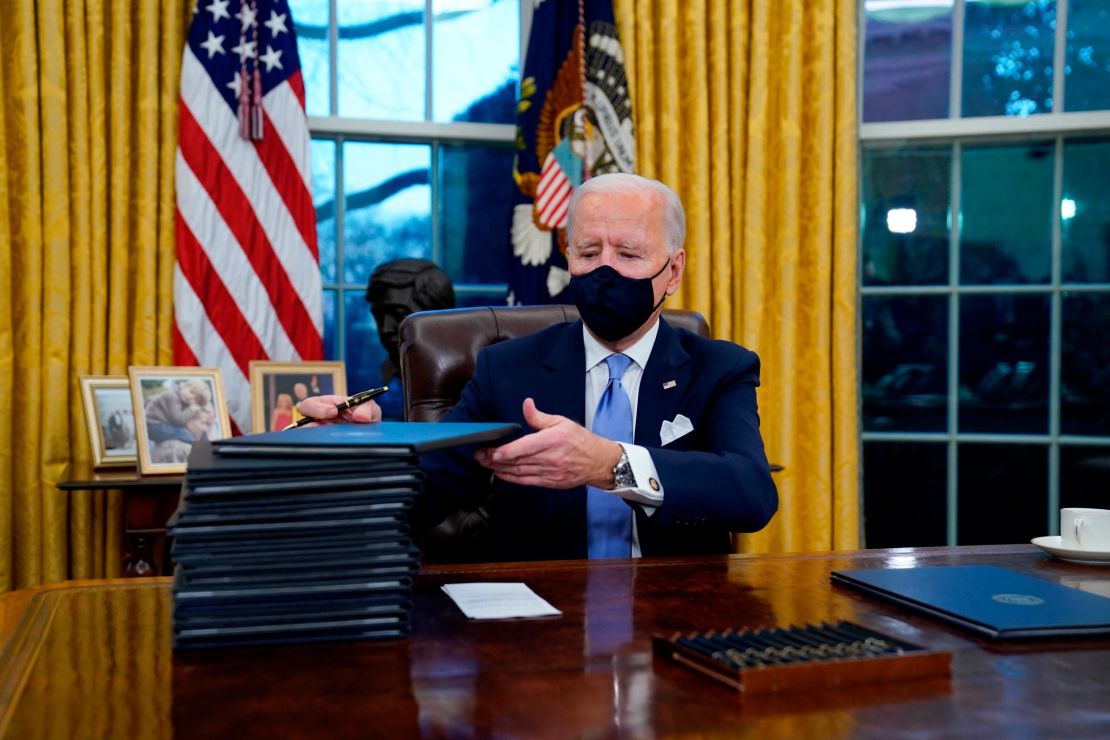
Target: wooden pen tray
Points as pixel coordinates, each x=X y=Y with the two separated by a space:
x=802 y=658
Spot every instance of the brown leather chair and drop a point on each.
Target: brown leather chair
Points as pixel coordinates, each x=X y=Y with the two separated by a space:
x=439 y=349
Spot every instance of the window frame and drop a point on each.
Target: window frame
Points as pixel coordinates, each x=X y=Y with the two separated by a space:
x=1057 y=126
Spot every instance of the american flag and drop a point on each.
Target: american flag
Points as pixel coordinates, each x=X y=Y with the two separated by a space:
x=247 y=278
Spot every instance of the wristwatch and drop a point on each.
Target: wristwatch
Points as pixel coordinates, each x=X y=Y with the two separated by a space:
x=622 y=472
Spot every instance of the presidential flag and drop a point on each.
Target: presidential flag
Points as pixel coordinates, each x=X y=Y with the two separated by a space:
x=574 y=121
x=247 y=277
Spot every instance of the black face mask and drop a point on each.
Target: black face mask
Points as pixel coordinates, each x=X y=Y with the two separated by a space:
x=613 y=305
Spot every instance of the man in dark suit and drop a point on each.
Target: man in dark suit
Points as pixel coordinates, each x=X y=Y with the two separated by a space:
x=689 y=466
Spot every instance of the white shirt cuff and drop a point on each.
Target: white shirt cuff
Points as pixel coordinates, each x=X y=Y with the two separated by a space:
x=648 y=490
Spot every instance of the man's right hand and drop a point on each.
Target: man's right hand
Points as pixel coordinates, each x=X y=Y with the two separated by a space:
x=322 y=409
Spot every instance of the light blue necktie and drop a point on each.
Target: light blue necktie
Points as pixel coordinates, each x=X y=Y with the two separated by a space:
x=609 y=517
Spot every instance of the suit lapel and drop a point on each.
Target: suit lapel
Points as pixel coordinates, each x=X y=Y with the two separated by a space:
x=668 y=365
x=563 y=388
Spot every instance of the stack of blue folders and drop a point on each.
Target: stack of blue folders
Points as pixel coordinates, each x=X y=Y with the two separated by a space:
x=303 y=535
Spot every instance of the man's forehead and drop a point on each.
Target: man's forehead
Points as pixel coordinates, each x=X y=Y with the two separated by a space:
x=631 y=215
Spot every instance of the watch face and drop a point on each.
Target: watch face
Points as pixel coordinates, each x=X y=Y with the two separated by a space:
x=622 y=473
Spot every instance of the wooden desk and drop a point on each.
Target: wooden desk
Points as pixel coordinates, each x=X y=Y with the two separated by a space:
x=94 y=659
x=148 y=502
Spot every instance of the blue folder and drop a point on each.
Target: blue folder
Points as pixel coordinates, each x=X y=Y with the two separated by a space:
x=999 y=603
x=383 y=438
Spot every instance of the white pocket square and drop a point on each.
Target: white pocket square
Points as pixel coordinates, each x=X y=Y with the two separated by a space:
x=672 y=430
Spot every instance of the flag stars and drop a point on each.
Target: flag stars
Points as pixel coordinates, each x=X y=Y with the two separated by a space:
x=276 y=24
x=246 y=50
x=236 y=84
x=248 y=17
x=218 y=9
x=214 y=45
x=271 y=58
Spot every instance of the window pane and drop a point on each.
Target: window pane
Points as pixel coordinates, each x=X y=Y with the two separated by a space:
x=905 y=365
x=1008 y=49
x=322 y=153
x=907 y=60
x=1004 y=363
x=474 y=79
x=1088 y=56
x=905 y=219
x=1085 y=477
x=904 y=499
x=1085 y=365
x=311 y=26
x=388 y=205
x=331 y=346
x=1006 y=214
x=381 y=59
x=1085 y=211
x=1003 y=494
x=365 y=353
x=476 y=212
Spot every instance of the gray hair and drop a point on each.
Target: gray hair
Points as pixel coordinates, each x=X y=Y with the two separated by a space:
x=674 y=217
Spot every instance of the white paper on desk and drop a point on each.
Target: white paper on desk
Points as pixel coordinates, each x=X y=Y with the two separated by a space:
x=498 y=600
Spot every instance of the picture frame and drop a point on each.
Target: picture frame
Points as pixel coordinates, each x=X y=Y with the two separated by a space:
x=110 y=419
x=277 y=387
x=179 y=405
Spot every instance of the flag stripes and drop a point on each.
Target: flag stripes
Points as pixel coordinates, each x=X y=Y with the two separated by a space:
x=249 y=232
x=553 y=195
x=228 y=264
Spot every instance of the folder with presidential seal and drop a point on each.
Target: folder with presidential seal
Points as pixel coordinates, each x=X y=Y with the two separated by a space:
x=303 y=535
x=995 y=602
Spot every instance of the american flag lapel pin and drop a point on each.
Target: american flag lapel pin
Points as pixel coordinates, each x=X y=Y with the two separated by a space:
x=670 y=384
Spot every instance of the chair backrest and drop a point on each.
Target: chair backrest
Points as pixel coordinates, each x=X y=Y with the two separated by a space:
x=440 y=348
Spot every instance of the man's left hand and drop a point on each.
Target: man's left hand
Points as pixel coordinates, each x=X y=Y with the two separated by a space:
x=559 y=454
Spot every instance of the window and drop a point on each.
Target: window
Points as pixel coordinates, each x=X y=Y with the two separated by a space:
x=411 y=105
x=984 y=267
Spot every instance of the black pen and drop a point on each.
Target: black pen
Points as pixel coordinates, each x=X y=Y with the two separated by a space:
x=351 y=402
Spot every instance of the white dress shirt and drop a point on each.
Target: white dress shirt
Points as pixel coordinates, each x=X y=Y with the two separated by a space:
x=597 y=377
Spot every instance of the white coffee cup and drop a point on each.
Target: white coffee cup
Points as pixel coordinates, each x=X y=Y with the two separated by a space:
x=1085 y=529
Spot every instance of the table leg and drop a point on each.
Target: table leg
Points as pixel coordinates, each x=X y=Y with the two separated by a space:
x=140 y=556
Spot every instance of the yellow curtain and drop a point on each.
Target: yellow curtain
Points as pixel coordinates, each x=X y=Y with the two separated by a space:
x=88 y=125
x=748 y=109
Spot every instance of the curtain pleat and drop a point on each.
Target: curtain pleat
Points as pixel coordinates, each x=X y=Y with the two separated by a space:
x=7 y=305
x=88 y=121
x=747 y=109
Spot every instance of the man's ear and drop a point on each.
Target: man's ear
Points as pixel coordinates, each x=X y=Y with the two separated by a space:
x=678 y=265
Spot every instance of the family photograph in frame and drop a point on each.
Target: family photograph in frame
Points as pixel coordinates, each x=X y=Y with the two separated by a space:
x=110 y=420
x=277 y=388
x=175 y=407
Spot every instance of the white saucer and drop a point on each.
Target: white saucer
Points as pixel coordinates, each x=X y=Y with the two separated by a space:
x=1052 y=546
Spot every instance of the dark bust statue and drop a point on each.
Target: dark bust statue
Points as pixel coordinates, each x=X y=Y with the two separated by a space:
x=396 y=289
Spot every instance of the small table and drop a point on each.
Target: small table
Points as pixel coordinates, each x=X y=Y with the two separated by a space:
x=148 y=501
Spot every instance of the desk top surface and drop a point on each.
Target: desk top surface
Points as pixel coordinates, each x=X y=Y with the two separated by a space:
x=94 y=659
